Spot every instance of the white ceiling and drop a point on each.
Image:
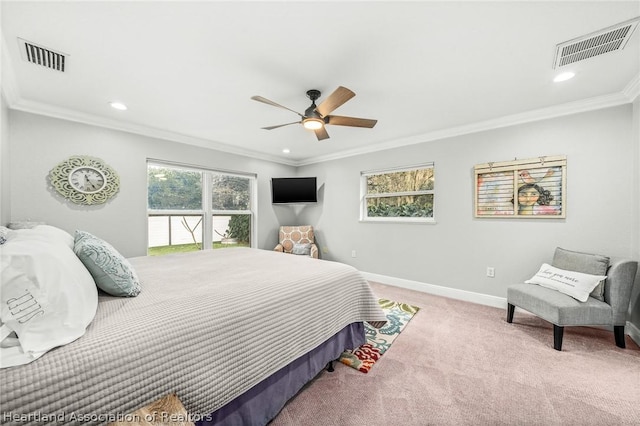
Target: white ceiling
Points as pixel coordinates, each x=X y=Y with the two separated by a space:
x=425 y=70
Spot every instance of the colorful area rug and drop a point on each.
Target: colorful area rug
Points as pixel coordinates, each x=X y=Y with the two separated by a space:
x=379 y=340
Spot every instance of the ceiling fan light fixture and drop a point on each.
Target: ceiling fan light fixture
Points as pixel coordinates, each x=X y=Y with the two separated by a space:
x=316 y=116
x=313 y=123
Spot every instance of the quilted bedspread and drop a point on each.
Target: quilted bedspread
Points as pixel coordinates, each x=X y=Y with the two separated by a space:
x=207 y=325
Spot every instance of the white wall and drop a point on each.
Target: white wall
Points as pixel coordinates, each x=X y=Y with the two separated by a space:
x=39 y=143
x=601 y=213
x=635 y=226
x=5 y=177
x=603 y=196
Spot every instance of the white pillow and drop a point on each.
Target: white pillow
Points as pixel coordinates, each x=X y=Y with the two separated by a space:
x=574 y=284
x=25 y=224
x=48 y=297
x=43 y=233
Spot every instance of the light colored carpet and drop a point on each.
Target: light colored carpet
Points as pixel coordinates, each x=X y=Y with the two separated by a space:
x=459 y=363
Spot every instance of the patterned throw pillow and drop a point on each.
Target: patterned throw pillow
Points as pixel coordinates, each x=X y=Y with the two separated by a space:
x=4 y=231
x=110 y=270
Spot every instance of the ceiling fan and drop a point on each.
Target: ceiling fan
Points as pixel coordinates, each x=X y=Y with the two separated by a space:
x=315 y=117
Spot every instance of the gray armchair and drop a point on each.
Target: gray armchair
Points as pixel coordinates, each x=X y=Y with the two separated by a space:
x=562 y=310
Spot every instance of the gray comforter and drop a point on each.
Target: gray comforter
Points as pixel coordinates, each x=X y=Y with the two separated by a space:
x=207 y=325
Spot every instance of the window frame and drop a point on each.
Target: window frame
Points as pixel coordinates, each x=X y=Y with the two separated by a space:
x=207 y=211
x=364 y=196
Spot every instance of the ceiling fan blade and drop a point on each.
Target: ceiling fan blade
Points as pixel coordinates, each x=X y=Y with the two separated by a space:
x=337 y=98
x=338 y=120
x=268 y=102
x=280 y=125
x=321 y=133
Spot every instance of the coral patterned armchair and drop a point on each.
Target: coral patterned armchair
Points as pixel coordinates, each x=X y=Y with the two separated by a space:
x=297 y=240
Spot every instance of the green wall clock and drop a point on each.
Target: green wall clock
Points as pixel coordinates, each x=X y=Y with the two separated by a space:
x=85 y=180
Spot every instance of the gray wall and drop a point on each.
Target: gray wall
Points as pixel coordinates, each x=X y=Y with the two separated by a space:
x=5 y=177
x=635 y=204
x=602 y=178
x=603 y=175
x=38 y=143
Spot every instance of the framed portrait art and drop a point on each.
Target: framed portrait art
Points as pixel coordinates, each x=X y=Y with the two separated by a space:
x=531 y=188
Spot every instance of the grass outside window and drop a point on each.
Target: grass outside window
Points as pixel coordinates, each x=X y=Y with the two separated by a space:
x=184 y=248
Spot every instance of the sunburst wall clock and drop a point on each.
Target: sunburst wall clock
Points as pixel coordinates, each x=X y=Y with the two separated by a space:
x=85 y=180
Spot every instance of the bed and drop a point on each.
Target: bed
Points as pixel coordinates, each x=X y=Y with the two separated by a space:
x=234 y=333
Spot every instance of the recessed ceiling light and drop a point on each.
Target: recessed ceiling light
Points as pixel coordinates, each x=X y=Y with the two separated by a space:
x=118 y=105
x=286 y=150
x=564 y=76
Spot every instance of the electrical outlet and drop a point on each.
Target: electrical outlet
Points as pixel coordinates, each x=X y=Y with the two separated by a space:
x=491 y=272
x=325 y=249
x=353 y=253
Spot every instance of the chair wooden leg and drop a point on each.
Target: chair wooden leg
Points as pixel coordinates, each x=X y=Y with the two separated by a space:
x=510 y=309
x=618 y=331
x=557 y=337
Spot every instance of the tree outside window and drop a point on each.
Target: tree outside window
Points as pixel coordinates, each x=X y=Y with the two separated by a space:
x=195 y=209
x=174 y=189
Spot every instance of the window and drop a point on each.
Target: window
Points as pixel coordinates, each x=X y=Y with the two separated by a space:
x=193 y=209
x=398 y=195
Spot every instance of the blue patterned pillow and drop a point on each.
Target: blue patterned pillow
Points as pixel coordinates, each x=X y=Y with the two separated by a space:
x=110 y=270
x=303 y=249
x=4 y=232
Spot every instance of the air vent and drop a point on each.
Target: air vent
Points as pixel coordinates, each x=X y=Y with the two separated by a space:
x=43 y=56
x=598 y=43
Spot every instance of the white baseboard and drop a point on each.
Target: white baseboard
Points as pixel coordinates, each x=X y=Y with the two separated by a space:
x=468 y=296
x=453 y=293
x=632 y=331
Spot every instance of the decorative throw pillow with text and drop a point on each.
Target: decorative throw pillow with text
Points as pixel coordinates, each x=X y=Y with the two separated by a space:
x=574 y=284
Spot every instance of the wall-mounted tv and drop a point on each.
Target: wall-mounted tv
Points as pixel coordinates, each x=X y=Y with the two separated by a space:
x=293 y=190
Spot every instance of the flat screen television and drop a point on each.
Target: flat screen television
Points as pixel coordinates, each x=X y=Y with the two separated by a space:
x=293 y=190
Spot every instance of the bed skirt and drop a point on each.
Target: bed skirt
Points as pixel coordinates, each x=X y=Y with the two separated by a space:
x=263 y=402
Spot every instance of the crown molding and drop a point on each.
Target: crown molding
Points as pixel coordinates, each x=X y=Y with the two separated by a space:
x=632 y=90
x=10 y=91
x=93 y=120
x=12 y=96
x=591 y=104
x=7 y=78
